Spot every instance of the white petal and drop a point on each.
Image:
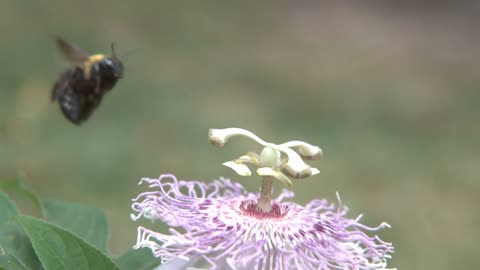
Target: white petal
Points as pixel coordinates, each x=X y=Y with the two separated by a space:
x=250 y=157
x=295 y=166
x=179 y=263
x=305 y=149
x=239 y=168
x=267 y=171
x=219 y=137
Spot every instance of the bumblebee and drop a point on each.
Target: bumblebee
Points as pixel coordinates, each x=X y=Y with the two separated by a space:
x=80 y=89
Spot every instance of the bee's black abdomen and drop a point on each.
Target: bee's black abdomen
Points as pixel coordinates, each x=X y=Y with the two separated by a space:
x=78 y=107
x=78 y=97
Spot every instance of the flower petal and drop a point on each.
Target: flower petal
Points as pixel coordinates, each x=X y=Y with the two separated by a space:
x=250 y=157
x=179 y=263
x=306 y=150
x=219 y=137
x=267 y=171
x=295 y=166
x=238 y=167
x=315 y=171
x=221 y=225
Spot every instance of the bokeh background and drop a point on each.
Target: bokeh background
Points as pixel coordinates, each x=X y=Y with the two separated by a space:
x=388 y=89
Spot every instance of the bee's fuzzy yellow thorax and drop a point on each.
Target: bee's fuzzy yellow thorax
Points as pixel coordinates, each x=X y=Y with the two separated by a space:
x=92 y=59
x=96 y=58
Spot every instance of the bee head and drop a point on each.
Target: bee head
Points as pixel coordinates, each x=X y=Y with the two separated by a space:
x=112 y=65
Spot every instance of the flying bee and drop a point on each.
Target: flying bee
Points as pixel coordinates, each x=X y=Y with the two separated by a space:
x=80 y=88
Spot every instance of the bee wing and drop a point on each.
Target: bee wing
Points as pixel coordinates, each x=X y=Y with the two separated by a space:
x=70 y=52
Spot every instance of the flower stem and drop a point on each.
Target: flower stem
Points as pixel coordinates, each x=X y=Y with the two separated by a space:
x=265 y=201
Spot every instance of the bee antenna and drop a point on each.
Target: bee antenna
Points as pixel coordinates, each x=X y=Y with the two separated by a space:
x=113 y=50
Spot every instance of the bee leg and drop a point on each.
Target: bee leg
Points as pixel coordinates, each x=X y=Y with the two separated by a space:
x=97 y=88
x=87 y=69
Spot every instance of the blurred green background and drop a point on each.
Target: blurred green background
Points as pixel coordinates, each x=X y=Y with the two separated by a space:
x=388 y=89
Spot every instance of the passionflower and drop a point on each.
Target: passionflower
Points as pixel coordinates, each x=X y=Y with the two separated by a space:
x=219 y=225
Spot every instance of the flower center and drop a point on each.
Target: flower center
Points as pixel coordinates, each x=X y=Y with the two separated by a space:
x=250 y=208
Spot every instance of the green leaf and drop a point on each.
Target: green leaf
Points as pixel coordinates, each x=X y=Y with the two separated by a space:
x=17 y=186
x=16 y=251
x=140 y=259
x=60 y=249
x=87 y=222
